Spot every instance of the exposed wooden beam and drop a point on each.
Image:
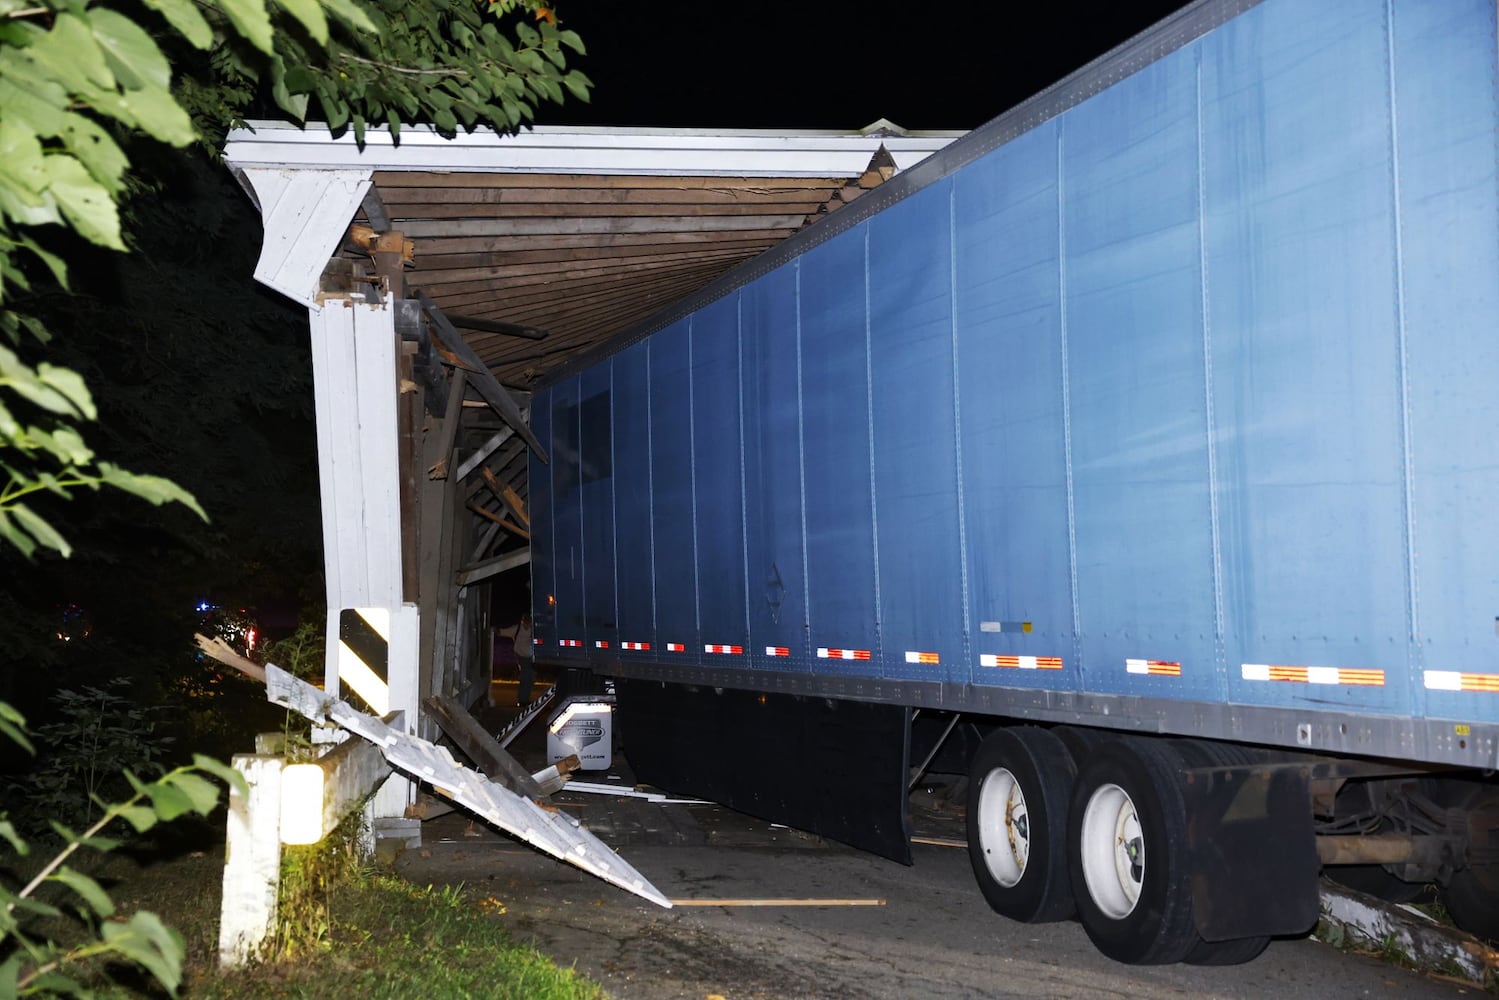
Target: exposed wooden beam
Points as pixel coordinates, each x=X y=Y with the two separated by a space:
x=496 y=327
x=472 y=244
x=488 y=386
x=484 y=451
x=414 y=214
x=418 y=229
x=508 y=525
x=414 y=201
x=506 y=496
x=499 y=564
x=566 y=258
x=450 y=420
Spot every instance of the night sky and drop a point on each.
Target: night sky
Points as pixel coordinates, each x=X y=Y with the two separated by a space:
x=757 y=65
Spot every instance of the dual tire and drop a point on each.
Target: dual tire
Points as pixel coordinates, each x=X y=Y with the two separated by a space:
x=1101 y=835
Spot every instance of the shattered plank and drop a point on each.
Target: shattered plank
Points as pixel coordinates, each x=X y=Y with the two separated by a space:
x=552 y=831
x=481 y=748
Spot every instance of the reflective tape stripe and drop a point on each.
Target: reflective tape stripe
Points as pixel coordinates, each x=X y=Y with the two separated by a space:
x=777 y=651
x=600 y=644
x=675 y=647
x=914 y=657
x=635 y=645
x=713 y=648
x=1160 y=668
x=1348 y=676
x=1454 y=680
x=1022 y=662
x=825 y=653
x=569 y=642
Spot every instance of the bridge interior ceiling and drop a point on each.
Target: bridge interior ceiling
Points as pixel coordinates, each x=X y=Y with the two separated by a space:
x=535 y=269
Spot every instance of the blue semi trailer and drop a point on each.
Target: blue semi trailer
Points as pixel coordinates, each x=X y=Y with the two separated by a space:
x=1139 y=453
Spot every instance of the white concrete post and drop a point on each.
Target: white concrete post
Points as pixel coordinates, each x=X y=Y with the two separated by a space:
x=252 y=862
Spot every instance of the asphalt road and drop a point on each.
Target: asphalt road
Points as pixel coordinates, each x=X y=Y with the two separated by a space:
x=934 y=937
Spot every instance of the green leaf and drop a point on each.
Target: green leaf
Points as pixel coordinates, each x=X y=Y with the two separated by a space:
x=70 y=384
x=145 y=940
x=183 y=15
x=33 y=905
x=97 y=150
x=39 y=529
x=142 y=818
x=92 y=892
x=251 y=20
x=10 y=836
x=169 y=802
x=64 y=443
x=203 y=793
x=132 y=53
x=578 y=84
x=572 y=41
x=13 y=724
x=234 y=779
x=351 y=14
x=152 y=488
x=15 y=535
x=55 y=264
x=21 y=160
x=71 y=54
x=30 y=100
x=84 y=201
x=153 y=110
x=310 y=13
x=10 y=975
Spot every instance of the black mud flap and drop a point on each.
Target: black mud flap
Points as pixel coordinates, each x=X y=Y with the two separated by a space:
x=834 y=768
x=1254 y=853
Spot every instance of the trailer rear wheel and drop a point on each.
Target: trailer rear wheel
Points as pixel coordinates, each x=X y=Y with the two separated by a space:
x=1018 y=786
x=1234 y=952
x=1471 y=895
x=1127 y=853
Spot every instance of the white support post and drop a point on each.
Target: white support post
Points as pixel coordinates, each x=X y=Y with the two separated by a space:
x=252 y=864
x=355 y=384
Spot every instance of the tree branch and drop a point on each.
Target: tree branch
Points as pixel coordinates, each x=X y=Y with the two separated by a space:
x=401 y=69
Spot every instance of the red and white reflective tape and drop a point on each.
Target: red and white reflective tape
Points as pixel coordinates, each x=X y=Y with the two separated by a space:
x=1355 y=677
x=637 y=646
x=536 y=642
x=777 y=650
x=914 y=657
x=1160 y=668
x=824 y=653
x=600 y=644
x=1021 y=662
x=675 y=647
x=569 y=642
x=715 y=648
x=1454 y=680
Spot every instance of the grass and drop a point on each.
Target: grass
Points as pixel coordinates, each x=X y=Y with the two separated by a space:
x=390 y=940
x=367 y=934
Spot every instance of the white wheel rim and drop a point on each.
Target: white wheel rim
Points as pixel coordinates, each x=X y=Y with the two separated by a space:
x=1004 y=827
x=1113 y=851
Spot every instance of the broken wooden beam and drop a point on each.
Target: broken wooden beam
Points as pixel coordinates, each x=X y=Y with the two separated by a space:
x=481 y=748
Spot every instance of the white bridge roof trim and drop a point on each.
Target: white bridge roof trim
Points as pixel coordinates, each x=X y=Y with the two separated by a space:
x=580 y=150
